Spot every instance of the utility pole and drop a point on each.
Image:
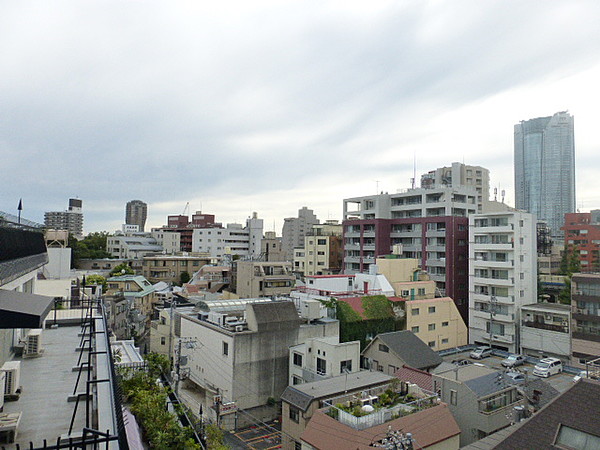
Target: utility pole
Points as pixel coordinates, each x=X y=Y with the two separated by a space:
x=218 y=406
x=493 y=305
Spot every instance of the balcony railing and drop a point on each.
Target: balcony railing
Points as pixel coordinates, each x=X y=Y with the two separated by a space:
x=546 y=326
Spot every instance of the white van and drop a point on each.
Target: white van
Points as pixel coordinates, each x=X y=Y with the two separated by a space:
x=547 y=367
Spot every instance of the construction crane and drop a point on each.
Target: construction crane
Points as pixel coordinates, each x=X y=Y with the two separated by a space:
x=186 y=209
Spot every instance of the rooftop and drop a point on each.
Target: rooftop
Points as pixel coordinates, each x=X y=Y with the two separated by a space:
x=428 y=427
x=408 y=347
x=466 y=373
x=303 y=394
x=551 y=307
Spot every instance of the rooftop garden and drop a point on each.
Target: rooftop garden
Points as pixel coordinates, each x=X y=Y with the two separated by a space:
x=367 y=411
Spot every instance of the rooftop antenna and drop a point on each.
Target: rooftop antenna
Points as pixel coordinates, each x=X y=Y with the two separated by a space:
x=414 y=180
x=376 y=186
x=495 y=194
x=503 y=195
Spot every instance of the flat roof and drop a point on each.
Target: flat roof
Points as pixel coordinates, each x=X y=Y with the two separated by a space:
x=47 y=382
x=466 y=373
x=559 y=307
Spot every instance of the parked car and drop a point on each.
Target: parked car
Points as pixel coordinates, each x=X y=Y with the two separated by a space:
x=516 y=377
x=513 y=361
x=594 y=375
x=461 y=362
x=481 y=352
x=547 y=367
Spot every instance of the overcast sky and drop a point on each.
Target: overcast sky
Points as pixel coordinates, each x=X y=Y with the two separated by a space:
x=248 y=106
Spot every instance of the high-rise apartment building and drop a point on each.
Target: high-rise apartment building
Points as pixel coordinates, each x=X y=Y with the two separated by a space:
x=545 y=168
x=294 y=230
x=582 y=236
x=429 y=224
x=70 y=220
x=502 y=276
x=323 y=251
x=461 y=175
x=136 y=212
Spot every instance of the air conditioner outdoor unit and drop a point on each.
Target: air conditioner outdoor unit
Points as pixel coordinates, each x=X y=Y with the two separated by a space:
x=12 y=369
x=239 y=328
x=33 y=344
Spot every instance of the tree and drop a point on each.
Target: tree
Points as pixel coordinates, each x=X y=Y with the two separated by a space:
x=93 y=246
x=184 y=277
x=96 y=279
x=121 y=269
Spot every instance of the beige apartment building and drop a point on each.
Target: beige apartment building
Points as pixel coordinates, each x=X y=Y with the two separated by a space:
x=323 y=251
x=168 y=268
x=437 y=322
x=263 y=279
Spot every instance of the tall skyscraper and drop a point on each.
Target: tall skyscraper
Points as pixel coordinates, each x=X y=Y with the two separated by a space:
x=70 y=220
x=136 y=212
x=545 y=168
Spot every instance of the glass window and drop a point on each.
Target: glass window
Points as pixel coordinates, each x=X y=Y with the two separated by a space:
x=431 y=309
x=415 y=329
x=431 y=327
x=384 y=348
x=415 y=311
x=298 y=359
x=294 y=414
x=225 y=348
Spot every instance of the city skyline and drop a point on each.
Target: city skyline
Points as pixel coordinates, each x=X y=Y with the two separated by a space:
x=270 y=107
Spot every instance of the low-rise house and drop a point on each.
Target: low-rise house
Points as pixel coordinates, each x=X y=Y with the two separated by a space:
x=263 y=279
x=432 y=428
x=388 y=352
x=321 y=358
x=570 y=421
x=545 y=330
x=300 y=402
x=480 y=398
x=169 y=268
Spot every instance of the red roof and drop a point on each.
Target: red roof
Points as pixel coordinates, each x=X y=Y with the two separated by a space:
x=428 y=427
x=356 y=303
x=415 y=376
x=330 y=276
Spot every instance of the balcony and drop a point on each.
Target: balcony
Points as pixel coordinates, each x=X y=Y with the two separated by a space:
x=547 y=326
x=352 y=234
x=436 y=233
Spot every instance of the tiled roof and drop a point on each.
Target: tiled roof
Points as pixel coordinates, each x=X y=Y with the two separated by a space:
x=428 y=427
x=408 y=347
x=415 y=376
x=576 y=408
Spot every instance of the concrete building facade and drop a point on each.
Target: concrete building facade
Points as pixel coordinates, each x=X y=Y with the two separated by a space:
x=545 y=331
x=136 y=212
x=459 y=174
x=294 y=230
x=502 y=276
x=585 y=325
x=263 y=279
x=582 y=235
x=322 y=252
x=70 y=220
x=545 y=168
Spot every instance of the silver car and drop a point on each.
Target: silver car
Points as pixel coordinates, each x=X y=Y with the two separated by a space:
x=481 y=352
x=513 y=361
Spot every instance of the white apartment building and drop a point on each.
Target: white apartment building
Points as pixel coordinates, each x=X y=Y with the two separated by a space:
x=322 y=252
x=502 y=276
x=132 y=246
x=321 y=358
x=459 y=174
x=234 y=239
x=170 y=241
x=414 y=203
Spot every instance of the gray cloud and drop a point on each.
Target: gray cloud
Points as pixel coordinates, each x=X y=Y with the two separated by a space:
x=118 y=100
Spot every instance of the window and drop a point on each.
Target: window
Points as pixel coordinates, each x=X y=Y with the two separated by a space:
x=431 y=327
x=321 y=366
x=415 y=311
x=444 y=324
x=453 y=397
x=521 y=223
x=297 y=445
x=163 y=341
x=431 y=309
x=404 y=293
x=321 y=241
x=298 y=359
x=415 y=329
x=444 y=340
x=296 y=380
x=294 y=414
x=431 y=344
x=225 y=348
x=421 y=291
x=346 y=366
x=384 y=348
